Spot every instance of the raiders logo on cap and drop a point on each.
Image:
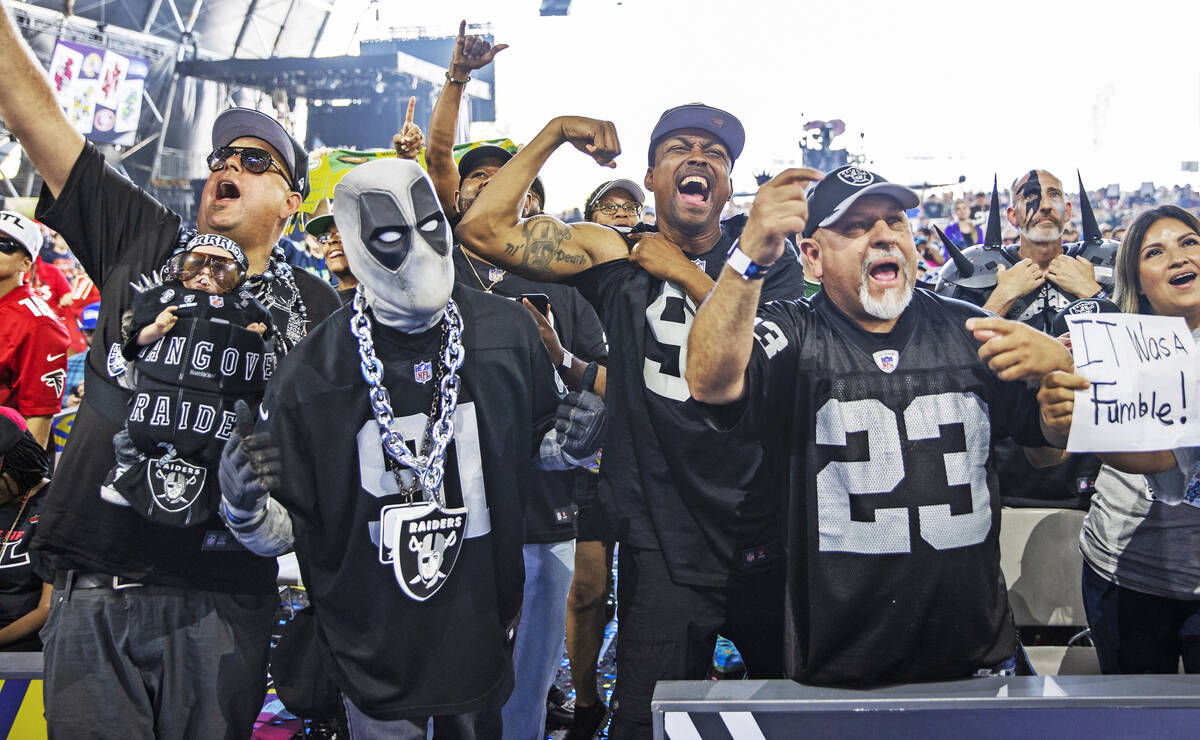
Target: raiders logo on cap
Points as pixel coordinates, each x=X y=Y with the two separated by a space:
x=421 y=542
x=855 y=176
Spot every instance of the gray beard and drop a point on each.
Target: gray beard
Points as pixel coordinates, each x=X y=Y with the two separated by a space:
x=894 y=300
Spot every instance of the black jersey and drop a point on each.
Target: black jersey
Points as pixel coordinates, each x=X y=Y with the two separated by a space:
x=393 y=655
x=1069 y=484
x=119 y=232
x=549 y=494
x=668 y=481
x=881 y=442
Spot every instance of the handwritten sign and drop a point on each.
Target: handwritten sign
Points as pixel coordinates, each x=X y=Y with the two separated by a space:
x=1143 y=393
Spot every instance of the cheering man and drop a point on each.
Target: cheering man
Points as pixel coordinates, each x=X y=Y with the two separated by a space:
x=877 y=415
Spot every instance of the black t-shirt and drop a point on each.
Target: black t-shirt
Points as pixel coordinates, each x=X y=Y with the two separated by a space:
x=550 y=510
x=119 y=233
x=20 y=587
x=880 y=442
x=668 y=481
x=393 y=655
x=1071 y=483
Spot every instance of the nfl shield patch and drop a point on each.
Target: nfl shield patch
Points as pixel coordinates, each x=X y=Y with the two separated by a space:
x=174 y=484
x=495 y=275
x=421 y=542
x=423 y=372
x=216 y=301
x=887 y=359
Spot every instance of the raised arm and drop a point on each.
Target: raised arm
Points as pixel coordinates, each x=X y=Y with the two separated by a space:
x=30 y=111
x=722 y=336
x=470 y=53
x=541 y=247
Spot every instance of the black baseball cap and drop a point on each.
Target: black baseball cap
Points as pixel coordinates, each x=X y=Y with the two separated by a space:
x=829 y=199
x=721 y=124
x=238 y=122
x=471 y=159
x=1081 y=307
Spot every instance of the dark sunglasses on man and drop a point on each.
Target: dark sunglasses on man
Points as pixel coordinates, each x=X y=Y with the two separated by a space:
x=254 y=160
x=8 y=246
x=226 y=272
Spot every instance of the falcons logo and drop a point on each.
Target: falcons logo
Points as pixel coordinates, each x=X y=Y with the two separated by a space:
x=56 y=379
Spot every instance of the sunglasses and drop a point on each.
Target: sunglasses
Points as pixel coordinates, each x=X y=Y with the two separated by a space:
x=327 y=237
x=253 y=159
x=8 y=246
x=226 y=272
x=610 y=209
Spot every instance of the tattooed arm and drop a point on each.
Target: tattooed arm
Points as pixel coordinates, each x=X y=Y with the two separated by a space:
x=541 y=247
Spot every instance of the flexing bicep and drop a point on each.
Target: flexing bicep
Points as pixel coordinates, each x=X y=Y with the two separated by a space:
x=542 y=247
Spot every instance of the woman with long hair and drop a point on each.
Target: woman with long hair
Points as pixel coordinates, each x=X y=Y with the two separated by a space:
x=1141 y=576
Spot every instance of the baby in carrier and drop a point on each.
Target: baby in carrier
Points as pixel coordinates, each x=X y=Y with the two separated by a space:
x=198 y=345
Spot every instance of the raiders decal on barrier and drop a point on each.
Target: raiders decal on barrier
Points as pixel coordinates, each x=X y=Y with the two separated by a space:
x=175 y=484
x=421 y=542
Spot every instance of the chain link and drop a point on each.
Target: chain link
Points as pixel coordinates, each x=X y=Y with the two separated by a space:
x=427 y=467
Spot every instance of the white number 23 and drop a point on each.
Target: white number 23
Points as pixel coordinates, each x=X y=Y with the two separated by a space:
x=838 y=481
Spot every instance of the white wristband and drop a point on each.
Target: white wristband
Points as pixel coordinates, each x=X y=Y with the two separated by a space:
x=567 y=360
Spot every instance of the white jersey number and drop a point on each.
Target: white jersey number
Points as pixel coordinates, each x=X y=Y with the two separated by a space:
x=670 y=319
x=884 y=470
x=378 y=481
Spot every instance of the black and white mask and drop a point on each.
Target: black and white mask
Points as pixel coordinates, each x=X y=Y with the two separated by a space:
x=397 y=241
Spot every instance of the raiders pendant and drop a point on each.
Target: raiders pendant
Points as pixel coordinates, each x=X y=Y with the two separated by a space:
x=421 y=541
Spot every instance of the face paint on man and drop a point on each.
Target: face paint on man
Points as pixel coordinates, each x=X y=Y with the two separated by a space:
x=1039 y=208
x=1031 y=193
x=397 y=241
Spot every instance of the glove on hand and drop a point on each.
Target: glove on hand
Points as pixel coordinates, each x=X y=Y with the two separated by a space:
x=580 y=419
x=250 y=466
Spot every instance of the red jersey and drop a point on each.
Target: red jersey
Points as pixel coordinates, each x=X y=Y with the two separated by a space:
x=33 y=354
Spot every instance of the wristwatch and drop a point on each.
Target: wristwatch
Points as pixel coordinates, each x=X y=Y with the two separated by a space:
x=741 y=263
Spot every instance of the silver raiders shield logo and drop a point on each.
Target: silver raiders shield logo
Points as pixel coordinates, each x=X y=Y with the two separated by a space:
x=175 y=484
x=421 y=542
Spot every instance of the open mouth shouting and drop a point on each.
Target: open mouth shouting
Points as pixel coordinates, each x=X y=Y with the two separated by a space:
x=227 y=191
x=1183 y=279
x=886 y=272
x=694 y=190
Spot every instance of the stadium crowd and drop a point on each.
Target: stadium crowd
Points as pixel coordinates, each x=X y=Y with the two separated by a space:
x=794 y=424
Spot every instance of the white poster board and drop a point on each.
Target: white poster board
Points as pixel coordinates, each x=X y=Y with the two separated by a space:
x=1143 y=393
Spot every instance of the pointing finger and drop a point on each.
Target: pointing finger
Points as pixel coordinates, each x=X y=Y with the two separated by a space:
x=408 y=115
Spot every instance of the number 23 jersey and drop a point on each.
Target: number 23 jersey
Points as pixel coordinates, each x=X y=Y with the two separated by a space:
x=882 y=445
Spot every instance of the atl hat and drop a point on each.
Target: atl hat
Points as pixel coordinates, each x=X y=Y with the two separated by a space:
x=89 y=316
x=221 y=242
x=829 y=199
x=605 y=188
x=238 y=122
x=23 y=231
x=1081 y=307
x=721 y=124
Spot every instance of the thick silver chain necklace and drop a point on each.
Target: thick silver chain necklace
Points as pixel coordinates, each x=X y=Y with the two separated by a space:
x=426 y=466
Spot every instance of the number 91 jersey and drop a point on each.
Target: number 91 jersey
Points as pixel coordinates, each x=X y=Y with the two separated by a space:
x=881 y=445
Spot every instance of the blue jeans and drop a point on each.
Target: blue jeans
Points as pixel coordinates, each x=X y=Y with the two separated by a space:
x=538 y=649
